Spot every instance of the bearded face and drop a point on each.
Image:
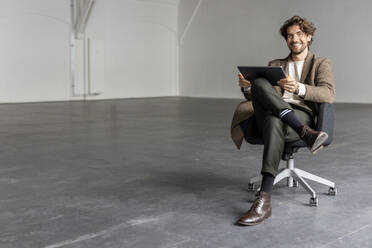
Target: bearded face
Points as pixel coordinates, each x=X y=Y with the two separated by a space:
x=297 y=40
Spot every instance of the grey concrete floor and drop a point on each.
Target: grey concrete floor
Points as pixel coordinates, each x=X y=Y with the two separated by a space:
x=163 y=172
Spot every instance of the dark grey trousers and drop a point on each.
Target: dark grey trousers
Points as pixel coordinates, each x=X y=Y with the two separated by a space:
x=267 y=104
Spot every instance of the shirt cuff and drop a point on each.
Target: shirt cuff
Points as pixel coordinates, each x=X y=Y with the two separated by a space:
x=246 y=90
x=301 y=89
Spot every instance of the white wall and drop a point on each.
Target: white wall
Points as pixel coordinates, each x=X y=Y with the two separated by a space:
x=34 y=50
x=224 y=34
x=140 y=47
x=135 y=40
x=140 y=50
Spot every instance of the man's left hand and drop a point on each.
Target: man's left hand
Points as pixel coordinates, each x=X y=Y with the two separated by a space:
x=289 y=84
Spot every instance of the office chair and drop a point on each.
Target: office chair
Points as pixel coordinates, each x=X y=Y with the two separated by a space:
x=325 y=123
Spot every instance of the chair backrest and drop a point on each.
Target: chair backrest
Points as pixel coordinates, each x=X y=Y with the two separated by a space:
x=326 y=121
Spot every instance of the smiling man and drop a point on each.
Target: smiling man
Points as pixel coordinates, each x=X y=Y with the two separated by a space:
x=286 y=112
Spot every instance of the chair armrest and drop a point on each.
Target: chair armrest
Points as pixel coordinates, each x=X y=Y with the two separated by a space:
x=325 y=120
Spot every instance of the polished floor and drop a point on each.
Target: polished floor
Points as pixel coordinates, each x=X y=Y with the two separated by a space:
x=163 y=172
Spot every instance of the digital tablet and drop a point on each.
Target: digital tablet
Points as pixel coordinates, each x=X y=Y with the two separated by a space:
x=272 y=73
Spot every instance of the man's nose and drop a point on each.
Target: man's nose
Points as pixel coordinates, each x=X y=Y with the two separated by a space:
x=295 y=38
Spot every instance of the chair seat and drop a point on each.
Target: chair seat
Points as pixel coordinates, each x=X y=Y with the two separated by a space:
x=291 y=148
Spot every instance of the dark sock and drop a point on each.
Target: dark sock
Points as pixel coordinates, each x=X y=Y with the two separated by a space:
x=289 y=117
x=267 y=182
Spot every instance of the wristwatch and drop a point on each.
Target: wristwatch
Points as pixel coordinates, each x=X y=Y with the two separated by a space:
x=297 y=90
x=245 y=90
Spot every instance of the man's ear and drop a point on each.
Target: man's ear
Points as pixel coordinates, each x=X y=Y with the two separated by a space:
x=309 y=38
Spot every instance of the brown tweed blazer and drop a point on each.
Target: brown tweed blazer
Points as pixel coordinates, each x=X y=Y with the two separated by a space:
x=319 y=82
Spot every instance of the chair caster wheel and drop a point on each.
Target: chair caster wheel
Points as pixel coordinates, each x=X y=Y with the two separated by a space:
x=295 y=183
x=332 y=191
x=313 y=201
x=251 y=186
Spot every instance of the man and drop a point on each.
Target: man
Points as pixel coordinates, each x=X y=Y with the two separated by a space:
x=284 y=113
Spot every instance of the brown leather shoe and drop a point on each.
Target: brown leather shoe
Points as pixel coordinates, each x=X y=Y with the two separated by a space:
x=260 y=210
x=313 y=139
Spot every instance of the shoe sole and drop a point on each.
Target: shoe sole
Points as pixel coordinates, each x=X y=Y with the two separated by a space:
x=255 y=223
x=318 y=144
x=251 y=224
x=317 y=149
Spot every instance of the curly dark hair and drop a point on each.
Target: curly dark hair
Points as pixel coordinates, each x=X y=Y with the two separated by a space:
x=306 y=26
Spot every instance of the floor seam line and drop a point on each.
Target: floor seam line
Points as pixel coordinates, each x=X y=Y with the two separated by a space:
x=348 y=234
x=84 y=237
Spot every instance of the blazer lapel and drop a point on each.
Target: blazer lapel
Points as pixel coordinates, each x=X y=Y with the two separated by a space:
x=305 y=69
x=307 y=66
x=285 y=65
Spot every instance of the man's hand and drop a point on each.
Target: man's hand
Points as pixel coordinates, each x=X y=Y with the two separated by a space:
x=244 y=83
x=289 y=84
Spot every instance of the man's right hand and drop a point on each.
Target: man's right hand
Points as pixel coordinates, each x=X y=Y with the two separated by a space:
x=243 y=83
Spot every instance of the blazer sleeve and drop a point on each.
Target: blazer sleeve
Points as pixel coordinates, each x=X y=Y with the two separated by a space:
x=324 y=88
